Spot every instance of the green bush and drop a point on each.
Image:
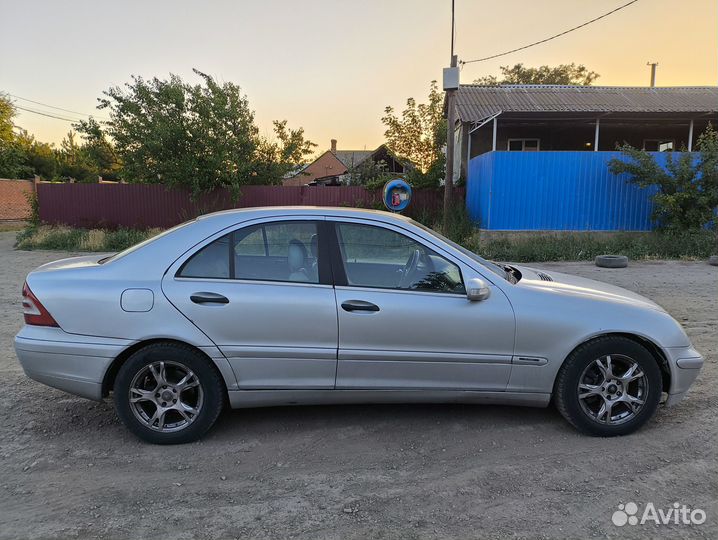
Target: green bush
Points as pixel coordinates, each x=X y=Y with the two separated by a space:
x=687 y=188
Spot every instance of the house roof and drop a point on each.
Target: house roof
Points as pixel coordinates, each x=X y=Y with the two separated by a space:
x=324 y=166
x=352 y=158
x=476 y=102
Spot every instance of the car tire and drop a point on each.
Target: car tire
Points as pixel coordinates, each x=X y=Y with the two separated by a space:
x=612 y=261
x=168 y=393
x=584 y=388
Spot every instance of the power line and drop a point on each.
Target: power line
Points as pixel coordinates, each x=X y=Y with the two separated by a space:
x=52 y=106
x=552 y=37
x=47 y=114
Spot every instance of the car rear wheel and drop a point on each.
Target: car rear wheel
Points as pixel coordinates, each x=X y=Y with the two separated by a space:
x=609 y=386
x=168 y=393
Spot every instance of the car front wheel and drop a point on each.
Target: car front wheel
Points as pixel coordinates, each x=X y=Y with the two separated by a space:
x=609 y=386
x=168 y=393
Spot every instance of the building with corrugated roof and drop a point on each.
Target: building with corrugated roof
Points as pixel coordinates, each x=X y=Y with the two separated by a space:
x=572 y=133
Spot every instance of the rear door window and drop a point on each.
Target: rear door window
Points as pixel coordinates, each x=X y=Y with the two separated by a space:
x=278 y=251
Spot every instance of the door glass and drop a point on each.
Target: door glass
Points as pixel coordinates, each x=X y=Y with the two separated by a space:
x=251 y=244
x=212 y=261
x=281 y=251
x=378 y=257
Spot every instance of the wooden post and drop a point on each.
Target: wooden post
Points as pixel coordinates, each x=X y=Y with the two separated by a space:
x=450 y=138
x=690 y=136
x=493 y=140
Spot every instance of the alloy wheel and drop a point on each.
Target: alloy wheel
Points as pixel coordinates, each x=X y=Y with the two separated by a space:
x=612 y=389
x=166 y=396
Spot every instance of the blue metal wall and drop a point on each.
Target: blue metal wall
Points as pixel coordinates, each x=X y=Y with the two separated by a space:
x=566 y=191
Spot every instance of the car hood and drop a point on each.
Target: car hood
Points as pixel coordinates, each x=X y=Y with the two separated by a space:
x=566 y=284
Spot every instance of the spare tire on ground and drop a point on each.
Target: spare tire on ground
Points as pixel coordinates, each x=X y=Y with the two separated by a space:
x=612 y=261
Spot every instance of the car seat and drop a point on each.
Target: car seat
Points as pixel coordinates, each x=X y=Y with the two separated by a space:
x=297 y=260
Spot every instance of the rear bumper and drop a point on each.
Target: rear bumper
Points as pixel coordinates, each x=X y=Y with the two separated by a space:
x=72 y=363
x=685 y=363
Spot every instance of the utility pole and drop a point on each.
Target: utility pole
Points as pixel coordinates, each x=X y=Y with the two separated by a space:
x=653 y=72
x=451 y=84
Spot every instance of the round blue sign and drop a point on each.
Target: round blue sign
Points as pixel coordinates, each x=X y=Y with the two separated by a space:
x=397 y=195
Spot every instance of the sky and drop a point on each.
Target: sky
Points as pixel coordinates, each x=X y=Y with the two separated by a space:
x=332 y=67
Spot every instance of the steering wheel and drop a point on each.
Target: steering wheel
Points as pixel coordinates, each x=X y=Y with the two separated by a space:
x=409 y=268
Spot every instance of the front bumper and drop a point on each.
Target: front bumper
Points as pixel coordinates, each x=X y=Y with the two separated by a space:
x=685 y=364
x=70 y=362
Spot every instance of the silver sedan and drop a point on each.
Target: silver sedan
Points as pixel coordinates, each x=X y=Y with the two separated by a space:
x=283 y=306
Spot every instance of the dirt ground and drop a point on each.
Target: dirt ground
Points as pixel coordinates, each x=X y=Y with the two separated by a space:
x=68 y=469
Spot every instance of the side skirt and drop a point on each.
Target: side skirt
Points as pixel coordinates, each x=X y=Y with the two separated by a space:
x=242 y=399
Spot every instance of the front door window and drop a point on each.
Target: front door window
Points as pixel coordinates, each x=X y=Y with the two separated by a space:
x=382 y=258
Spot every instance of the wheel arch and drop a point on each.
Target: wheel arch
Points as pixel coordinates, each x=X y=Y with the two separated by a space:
x=650 y=345
x=108 y=380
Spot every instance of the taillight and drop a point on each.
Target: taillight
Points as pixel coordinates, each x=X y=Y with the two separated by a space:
x=35 y=313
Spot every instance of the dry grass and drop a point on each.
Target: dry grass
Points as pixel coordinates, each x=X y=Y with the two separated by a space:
x=69 y=239
x=11 y=226
x=94 y=240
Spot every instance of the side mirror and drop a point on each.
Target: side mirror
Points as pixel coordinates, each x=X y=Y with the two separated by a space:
x=477 y=290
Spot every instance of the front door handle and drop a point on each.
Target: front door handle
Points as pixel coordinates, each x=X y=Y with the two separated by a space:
x=359 y=305
x=208 y=298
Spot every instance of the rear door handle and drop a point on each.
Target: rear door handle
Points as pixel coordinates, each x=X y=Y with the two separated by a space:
x=359 y=305
x=208 y=298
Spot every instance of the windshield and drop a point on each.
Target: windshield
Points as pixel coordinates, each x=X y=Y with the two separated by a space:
x=493 y=267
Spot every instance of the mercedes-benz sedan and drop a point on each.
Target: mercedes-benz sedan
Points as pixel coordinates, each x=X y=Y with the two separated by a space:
x=283 y=306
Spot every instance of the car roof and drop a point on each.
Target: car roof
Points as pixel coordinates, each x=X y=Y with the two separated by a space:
x=245 y=214
x=155 y=252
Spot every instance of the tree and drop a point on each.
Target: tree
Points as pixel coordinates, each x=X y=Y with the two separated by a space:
x=21 y=155
x=73 y=161
x=564 y=74
x=275 y=158
x=12 y=157
x=99 y=153
x=38 y=157
x=197 y=136
x=419 y=136
x=687 y=193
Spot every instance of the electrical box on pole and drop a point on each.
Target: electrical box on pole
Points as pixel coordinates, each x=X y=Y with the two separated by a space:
x=451 y=78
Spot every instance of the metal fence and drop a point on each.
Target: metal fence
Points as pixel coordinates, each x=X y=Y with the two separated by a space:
x=564 y=191
x=153 y=205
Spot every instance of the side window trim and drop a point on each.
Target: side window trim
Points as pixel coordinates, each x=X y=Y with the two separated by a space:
x=230 y=254
x=339 y=270
x=325 y=232
x=264 y=239
x=336 y=262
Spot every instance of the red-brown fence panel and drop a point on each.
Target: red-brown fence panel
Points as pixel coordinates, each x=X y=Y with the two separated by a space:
x=153 y=205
